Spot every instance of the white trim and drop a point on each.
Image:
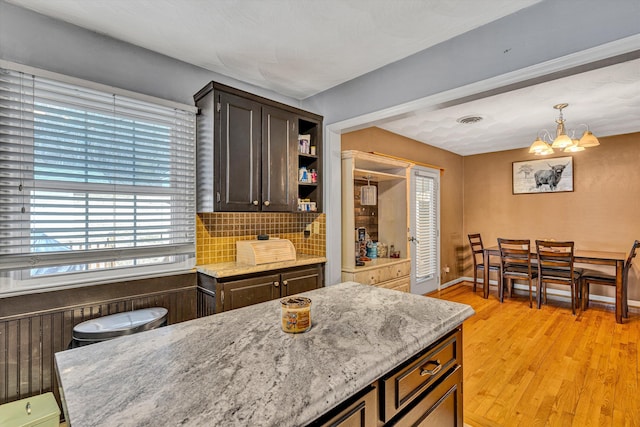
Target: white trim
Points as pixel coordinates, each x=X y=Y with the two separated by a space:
x=95 y=86
x=332 y=181
x=452 y=283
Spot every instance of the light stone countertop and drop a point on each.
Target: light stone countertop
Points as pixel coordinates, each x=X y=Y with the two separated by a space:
x=375 y=263
x=228 y=269
x=238 y=368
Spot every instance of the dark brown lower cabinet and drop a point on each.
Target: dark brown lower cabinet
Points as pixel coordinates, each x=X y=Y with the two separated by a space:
x=216 y=295
x=423 y=391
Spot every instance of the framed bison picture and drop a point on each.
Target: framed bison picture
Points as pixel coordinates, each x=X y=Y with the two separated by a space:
x=543 y=176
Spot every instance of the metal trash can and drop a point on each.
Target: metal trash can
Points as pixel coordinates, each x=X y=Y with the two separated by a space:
x=41 y=411
x=116 y=325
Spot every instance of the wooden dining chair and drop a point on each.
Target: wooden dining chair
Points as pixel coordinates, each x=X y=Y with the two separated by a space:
x=601 y=278
x=477 y=253
x=555 y=265
x=515 y=264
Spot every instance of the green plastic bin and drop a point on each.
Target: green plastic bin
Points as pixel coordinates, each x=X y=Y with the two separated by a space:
x=36 y=411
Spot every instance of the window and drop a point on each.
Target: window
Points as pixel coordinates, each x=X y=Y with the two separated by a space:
x=93 y=184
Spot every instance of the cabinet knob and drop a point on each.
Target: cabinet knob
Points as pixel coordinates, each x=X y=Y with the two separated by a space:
x=267 y=203
x=276 y=284
x=285 y=283
x=255 y=203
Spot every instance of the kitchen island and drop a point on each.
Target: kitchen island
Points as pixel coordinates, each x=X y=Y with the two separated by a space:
x=238 y=368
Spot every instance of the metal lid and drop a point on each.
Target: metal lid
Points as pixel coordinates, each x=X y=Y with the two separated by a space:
x=295 y=302
x=119 y=324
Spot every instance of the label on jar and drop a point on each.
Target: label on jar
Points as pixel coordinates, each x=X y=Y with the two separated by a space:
x=296 y=315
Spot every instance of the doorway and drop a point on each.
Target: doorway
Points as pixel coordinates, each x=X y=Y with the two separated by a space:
x=424 y=229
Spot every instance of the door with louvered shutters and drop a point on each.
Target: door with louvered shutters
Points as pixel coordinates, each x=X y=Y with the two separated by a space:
x=425 y=230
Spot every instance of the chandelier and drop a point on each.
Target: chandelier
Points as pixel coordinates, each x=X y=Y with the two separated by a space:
x=562 y=141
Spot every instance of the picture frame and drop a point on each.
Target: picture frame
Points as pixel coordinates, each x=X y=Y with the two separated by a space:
x=553 y=175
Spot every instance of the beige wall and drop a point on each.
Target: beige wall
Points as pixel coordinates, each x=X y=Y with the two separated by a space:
x=603 y=211
x=379 y=140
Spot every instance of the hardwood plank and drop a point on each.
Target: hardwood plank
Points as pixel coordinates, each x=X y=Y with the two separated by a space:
x=547 y=367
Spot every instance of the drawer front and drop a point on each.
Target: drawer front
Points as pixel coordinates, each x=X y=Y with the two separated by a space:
x=395 y=271
x=368 y=277
x=407 y=383
x=359 y=412
x=441 y=406
x=403 y=284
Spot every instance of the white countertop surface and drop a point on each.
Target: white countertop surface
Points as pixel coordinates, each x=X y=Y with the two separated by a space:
x=238 y=368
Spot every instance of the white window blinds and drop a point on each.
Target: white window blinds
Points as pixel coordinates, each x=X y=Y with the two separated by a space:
x=426 y=227
x=91 y=181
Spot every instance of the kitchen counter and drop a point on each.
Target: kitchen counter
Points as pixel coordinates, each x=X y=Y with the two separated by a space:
x=228 y=269
x=239 y=368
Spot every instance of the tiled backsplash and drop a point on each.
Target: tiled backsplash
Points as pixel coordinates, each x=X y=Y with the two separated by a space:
x=217 y=233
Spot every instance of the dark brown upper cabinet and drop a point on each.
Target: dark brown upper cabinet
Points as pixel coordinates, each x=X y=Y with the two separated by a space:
x=248 y=156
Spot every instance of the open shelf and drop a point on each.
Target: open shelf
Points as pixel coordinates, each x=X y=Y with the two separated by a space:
x=377 y=176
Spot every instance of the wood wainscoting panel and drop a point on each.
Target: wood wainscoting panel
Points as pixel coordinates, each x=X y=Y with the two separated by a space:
x=34 y=327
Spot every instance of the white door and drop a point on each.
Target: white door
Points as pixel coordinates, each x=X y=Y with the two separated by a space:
x=424 y=230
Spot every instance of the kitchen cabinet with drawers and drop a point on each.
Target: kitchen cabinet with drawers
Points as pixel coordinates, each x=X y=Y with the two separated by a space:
x=426 y=390
x=387 y=273
x=392 y=212
x=248 y=153
x=216 y=295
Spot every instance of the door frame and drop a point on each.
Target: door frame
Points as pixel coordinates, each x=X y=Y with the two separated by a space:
x=431 y=284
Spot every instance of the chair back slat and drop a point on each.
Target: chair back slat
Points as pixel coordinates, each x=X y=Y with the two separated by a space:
x=514 y=252
x=558 y=255
x=477 y=248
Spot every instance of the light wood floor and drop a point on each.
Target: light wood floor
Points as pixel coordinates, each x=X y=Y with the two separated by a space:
x=530 y=367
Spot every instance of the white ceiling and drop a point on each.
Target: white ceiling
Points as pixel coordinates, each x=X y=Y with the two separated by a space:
x=606 y=99
x=301 y=47
x=294 y=47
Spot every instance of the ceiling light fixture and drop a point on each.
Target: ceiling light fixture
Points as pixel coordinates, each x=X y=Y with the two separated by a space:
x=562 y=141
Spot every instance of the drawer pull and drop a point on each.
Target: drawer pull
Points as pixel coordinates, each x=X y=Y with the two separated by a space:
x=424 y=371
x=276 y=284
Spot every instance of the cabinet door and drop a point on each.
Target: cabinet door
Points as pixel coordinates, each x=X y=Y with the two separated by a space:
x=295 y=282
x=279 y=160
x=238 y=143
x=240 y=293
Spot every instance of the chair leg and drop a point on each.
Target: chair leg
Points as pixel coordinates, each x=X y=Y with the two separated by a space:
x=530 y=294
x=475 y=278
x=573 y=298
x=585 y=294
x=501 y=289
x=539 y=293
x=625 y=300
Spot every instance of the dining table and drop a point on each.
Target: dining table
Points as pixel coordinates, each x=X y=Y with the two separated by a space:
x=581 y=256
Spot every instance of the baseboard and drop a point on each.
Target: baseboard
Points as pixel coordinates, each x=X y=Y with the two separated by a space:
x=453 y=282
x=559 y=294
